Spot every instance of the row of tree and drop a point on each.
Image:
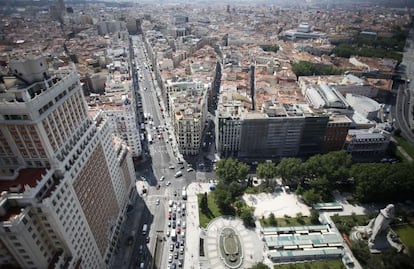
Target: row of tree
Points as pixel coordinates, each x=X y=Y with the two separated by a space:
x=381 y=47
x=232 y=176
x=317 y=176
x=304 y=68
x=347 y=50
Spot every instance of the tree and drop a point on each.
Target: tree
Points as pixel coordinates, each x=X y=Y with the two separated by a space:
x=396 y=182
x=272 y=220
x=360 y=251
x=204 y=203
x=235 y=190
x=266 y=170
x=314 y=217
x=311 y=197
x=229 y=170
x=304 y=68
x=247 y=217
x=290 y=169
x=239 y=205
x=223 y=199
x=274 y=47
x=260 y=265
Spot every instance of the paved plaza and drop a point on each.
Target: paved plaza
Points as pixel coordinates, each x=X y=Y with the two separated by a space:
x=278 y=203
x=250 y=242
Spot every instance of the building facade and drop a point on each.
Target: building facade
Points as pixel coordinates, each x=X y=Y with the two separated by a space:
x=189 y=111
x=274 y=132
x=65 y=179
x=367 y=143
x=336 y=133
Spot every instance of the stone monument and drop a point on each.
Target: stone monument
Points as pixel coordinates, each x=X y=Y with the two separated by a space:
x=381 y=224
x=378 y=232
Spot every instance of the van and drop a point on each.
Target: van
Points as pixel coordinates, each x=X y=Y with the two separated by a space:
x=144 y=229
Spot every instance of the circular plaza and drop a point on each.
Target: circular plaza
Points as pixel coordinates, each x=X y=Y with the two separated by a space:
x=229 y=244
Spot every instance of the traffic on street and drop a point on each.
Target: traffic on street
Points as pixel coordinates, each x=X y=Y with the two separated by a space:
x=155 y=230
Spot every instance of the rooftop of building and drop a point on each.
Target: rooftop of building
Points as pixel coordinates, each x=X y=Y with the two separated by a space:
x=372 y=133
x=26 y=177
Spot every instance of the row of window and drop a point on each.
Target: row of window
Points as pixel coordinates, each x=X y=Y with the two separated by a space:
x=16 y=117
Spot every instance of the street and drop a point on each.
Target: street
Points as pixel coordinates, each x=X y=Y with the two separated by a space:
x=159 y=190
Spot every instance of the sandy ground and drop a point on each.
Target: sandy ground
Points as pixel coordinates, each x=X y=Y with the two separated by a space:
x=278 y=203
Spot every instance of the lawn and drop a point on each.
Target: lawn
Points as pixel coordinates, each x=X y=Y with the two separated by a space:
x=405 y=145
x=331 y=264
x=287 y=222
x=406 y=234
x=345 y=223
x=213 y=212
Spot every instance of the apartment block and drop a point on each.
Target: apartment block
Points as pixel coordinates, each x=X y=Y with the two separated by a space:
x=189 y=111
x=65 y=179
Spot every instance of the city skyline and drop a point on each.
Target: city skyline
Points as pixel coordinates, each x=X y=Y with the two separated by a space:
x=203 y=134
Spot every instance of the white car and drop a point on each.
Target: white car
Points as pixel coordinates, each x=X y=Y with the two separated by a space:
x=162 y=178
x=171 y=167
x=157 y=202
x=190 y=169
x=170 y=258
x=168 y=183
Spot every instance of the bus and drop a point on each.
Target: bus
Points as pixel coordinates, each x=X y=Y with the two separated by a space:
x=173 y=235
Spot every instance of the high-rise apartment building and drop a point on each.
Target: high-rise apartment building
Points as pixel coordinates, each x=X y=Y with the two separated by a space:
x=65 y=178
x=189 y=111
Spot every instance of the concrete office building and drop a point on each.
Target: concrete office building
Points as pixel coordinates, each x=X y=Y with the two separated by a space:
x=228 y=124
x=284 y=131
x=275 y=131
x=303 y=31
x=64 y=178
x=367 y=142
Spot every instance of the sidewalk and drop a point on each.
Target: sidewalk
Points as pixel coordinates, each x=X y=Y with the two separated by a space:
x=192 y=247
x=130 y=223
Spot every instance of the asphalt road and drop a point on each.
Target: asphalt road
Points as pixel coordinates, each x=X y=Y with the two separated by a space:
x=403 y=110
x=162 y=161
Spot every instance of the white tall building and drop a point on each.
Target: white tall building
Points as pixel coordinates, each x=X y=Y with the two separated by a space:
x=189 y=111
x=64 y=178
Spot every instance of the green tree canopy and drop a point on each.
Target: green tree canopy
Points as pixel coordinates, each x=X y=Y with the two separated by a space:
x=266 y=170
x=303 y=68
x=383 y=182
x=290 y=169
x=229 y=170
x=333 y=166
